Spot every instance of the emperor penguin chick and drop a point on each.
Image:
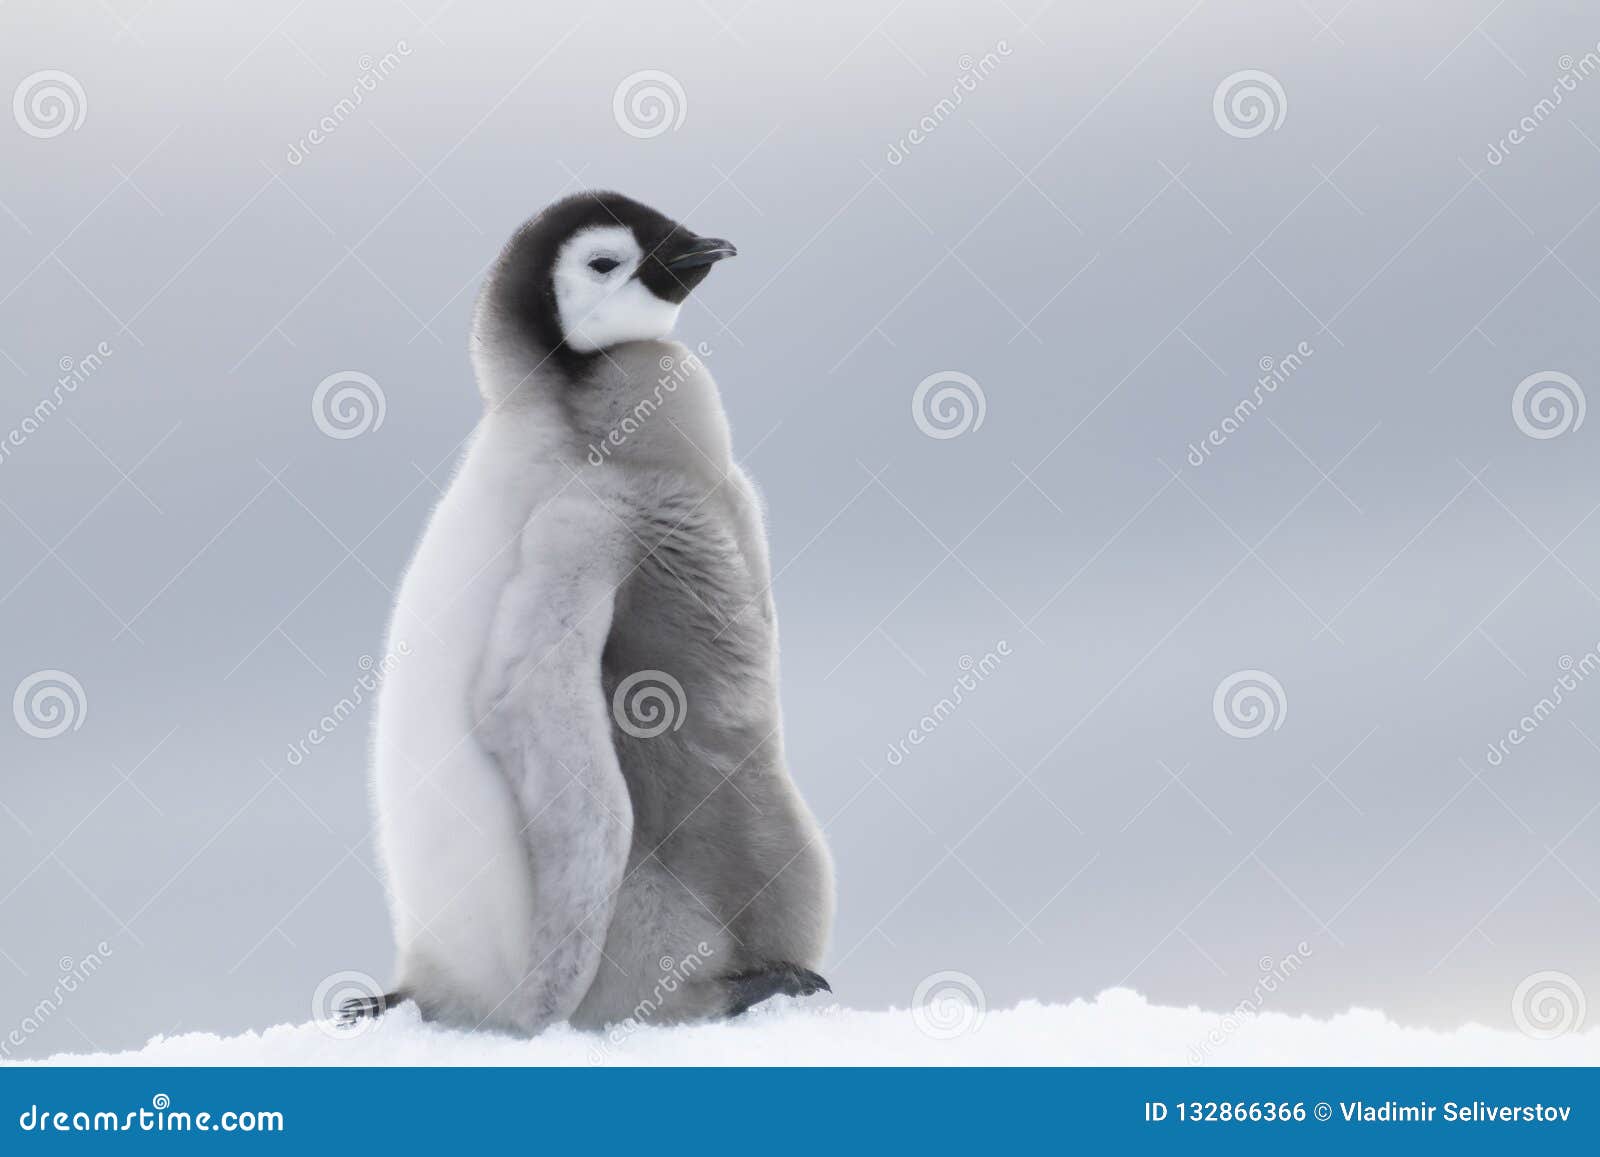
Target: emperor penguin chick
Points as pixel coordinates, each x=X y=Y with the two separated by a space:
x=584 y=809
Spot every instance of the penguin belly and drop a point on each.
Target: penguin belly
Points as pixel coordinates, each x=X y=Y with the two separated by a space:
x=449 y=823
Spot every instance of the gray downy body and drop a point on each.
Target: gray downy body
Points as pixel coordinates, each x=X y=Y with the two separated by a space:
x=727 y=870
x=553 y=849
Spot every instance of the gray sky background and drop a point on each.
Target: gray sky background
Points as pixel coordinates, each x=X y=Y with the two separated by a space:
x=1081 y=236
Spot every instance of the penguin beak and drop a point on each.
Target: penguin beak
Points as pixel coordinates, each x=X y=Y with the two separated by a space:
x=697 y=252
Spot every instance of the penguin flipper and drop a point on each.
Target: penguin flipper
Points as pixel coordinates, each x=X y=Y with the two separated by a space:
x=550 y=732
x=747 y=989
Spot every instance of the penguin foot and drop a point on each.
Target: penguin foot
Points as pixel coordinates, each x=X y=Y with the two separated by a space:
x=746 y=989
x=362 y=1007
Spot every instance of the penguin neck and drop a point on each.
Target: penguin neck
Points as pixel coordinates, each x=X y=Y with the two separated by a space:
x=643 y=405
x=514 y=367
x=651 y=405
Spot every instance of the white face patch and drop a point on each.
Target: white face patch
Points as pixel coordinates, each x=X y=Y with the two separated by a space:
x=598 y=299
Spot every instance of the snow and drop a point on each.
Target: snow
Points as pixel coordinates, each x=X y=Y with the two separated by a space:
x=1119 y=1027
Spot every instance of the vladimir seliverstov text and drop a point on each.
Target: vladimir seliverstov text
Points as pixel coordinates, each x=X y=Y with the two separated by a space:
x=1361 y=1112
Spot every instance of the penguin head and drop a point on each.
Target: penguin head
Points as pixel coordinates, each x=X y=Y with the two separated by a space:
x=593 y=271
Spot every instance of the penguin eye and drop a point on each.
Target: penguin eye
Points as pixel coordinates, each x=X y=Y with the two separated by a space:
x=604 y=264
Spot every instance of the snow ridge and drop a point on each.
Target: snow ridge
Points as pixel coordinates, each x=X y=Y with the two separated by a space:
x=1119 y=1027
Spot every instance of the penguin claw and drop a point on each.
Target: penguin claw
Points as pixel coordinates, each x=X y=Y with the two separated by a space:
x=360 y=1008
x=747 y=989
